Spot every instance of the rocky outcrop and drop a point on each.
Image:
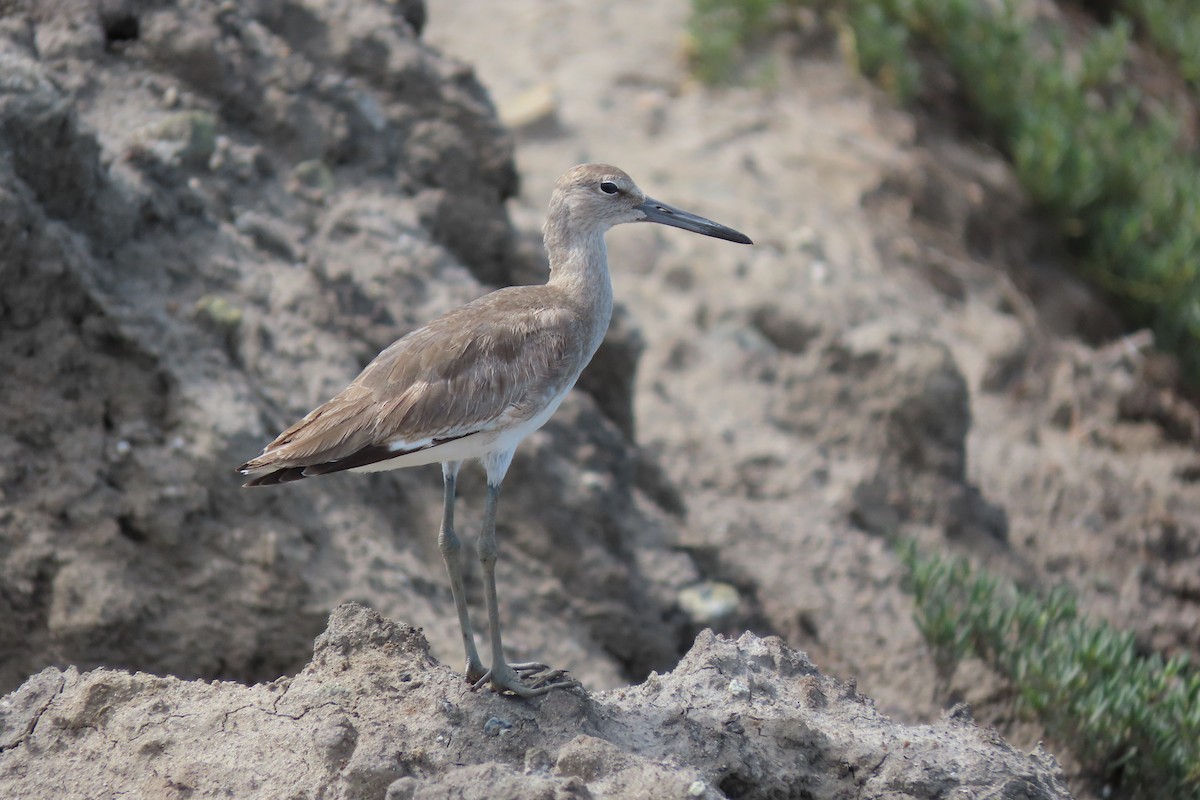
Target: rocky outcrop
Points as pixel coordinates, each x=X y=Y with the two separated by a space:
x=372 y=715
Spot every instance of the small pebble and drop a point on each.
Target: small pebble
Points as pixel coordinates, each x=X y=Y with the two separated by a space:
x=402 y=789
x=533 y=107
x=537 y=760
x=496 y=726
x=709 y=602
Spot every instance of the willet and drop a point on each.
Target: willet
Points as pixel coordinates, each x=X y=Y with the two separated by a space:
x=476 y=381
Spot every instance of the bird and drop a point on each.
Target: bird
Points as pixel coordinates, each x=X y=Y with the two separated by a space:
x=476 y=381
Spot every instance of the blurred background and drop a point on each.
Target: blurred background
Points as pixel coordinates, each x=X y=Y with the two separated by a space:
x=937 y=428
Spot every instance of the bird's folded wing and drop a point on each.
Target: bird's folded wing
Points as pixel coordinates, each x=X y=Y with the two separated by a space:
x=482 y=366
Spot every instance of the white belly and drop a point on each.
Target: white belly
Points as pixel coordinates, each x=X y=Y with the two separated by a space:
x=476 y=445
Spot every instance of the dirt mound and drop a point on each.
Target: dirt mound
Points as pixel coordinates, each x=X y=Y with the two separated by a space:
x=372 y=715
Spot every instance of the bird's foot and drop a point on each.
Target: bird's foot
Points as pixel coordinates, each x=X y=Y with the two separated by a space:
x=528 y=679
x=475 y=672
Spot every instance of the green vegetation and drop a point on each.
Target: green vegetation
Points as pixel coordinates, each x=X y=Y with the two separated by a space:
x=1102 y=161
x=1173 y=28
x=1134 y=718
x=722 y=30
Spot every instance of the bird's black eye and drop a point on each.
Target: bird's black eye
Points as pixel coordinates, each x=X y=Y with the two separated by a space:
x=608 y=187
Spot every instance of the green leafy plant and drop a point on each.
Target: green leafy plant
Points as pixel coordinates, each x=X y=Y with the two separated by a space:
x=1133 y=717
x=881 y=48
x=721 y=32
x=1173 y=27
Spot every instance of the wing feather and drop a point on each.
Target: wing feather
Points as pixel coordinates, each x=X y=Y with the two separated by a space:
x=493 y=362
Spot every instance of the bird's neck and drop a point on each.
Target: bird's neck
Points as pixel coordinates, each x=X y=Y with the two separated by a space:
x=579 y=268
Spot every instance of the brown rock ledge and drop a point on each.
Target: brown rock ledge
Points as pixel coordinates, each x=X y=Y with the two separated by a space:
x=373 y=715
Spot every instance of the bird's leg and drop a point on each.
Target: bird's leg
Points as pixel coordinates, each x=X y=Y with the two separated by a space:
x=506 y=677
x=450 y=546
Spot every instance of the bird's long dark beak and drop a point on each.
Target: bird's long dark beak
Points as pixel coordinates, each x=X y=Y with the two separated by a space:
x=656 y=211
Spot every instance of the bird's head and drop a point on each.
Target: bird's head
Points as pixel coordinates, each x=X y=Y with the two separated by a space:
x=595 y=197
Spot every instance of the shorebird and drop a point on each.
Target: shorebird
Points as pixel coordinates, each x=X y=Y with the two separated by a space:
x=476 y=381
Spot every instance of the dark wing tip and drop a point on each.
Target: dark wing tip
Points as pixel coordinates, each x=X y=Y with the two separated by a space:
x=284 y=475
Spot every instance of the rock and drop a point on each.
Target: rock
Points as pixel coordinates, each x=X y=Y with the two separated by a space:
x=535 y=108
x=788 y=332
x=709 y=602
x=186 y=137
x=901 y=398
x=314 y=177
x=372 y=715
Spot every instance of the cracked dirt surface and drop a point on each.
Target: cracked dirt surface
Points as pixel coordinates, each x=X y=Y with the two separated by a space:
x=374 y=715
